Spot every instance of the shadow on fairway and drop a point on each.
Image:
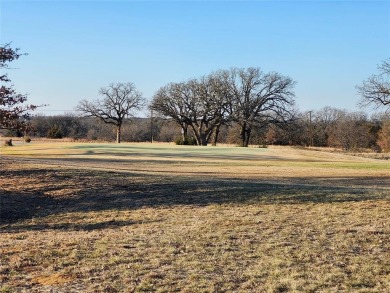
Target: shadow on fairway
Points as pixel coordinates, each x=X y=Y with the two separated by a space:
x=75 y=226
x=99 y=191
x=21 y=206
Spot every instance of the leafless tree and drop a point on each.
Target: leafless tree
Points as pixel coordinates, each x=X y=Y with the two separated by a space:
x=13 y=110
x=173 y=100
x=259 y=99
x=247 y=96
x=210 y=109
x=199 y=105
x=118 y=103
x=376 y=89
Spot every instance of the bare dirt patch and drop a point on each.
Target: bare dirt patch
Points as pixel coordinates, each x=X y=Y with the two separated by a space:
x=54 y=279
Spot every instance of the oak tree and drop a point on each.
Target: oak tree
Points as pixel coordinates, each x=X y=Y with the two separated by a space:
x=200 y=105
x=259 y=99
x=173 y=101
x=118 y=103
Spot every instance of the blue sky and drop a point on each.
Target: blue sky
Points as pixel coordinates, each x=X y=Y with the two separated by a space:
x=77 y=47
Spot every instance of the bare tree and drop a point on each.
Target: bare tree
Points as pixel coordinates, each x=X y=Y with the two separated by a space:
x=210 y=107
x=173 y=100
x=224 y=99
x=376 y=89
x=13 y=111
x=259 y=99
x=199 y=105
x=119 y=101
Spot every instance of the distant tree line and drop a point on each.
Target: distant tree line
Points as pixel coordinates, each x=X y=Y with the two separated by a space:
x=328 y=127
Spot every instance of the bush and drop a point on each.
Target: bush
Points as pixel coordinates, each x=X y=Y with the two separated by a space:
x=8 y=142
x=187 y=141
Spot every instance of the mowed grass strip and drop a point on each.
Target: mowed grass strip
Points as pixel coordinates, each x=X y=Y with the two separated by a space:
x=90 y=230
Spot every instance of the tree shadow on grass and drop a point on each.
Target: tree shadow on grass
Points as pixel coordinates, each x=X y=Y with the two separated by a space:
x=219 y=191
x=111 y=224
x=89 y=191
x=21 y=206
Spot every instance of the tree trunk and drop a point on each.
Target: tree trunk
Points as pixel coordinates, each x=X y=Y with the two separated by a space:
x=118 y=133
x=198 y=139
x=184 y=132
x=201 y=139
x=204 y=141
x=245 y=134
x=215 y=136
x=248 y=136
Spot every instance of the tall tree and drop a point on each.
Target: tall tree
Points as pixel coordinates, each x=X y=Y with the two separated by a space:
x=13 y=112
x=210 y=107
x=224 y=99
x=118 y=103
x=259 y=99
x=173 y=101
x=376 y=89
x=199 y=105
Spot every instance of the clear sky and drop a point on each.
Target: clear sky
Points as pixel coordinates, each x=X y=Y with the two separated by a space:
x=77 y=47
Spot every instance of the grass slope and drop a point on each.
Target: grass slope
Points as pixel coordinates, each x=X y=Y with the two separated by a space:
x=144 y=218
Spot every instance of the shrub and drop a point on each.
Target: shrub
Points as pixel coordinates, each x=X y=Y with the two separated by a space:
x=187 y=141
x=8 y=142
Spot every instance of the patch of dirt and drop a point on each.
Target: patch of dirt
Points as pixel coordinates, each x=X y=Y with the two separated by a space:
x=54 y=279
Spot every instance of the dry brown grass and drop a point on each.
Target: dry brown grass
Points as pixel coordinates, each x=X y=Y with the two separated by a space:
x=279 y=220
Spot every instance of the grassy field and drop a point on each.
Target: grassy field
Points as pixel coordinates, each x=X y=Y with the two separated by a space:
x=162 y=218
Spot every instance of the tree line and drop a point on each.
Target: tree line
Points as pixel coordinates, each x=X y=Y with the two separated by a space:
x=238 y=105
x=327 y=127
